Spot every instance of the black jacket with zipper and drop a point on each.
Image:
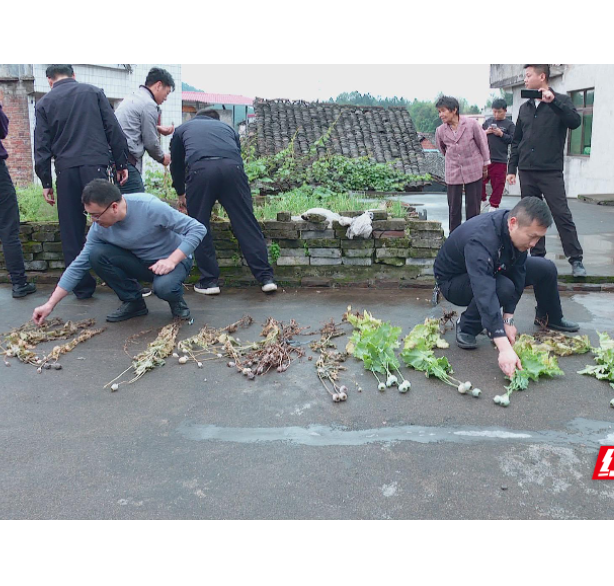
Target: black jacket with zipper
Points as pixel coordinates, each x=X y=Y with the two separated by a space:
x=76 y=126
x=482 y=248
x=539 y=139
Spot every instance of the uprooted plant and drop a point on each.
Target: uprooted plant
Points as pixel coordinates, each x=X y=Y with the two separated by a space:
x=604 y=358
x=536 y=362
x=22 y=342
x=276 y=351
x=329 y=362
x=418 y=353
x=152 y=356
x=374 y=342
x=214 y=342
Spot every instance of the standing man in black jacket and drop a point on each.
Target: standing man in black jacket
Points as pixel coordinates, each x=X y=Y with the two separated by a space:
x=483 y=265
x=76 y=126
x=9 y=220
x=206 y=167
x=537 y=154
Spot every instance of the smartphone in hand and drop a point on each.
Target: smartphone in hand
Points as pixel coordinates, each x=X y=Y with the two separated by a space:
x=531 y=94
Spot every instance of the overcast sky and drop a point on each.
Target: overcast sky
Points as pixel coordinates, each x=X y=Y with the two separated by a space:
x=321 y=82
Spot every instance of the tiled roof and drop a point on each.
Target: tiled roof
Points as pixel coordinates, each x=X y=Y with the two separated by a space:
x=384 y=134
x=206 y=98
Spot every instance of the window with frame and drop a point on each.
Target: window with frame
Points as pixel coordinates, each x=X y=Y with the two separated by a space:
x=579 y=140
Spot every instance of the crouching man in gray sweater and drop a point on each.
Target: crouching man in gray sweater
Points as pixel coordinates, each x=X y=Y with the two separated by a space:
x=133 y=237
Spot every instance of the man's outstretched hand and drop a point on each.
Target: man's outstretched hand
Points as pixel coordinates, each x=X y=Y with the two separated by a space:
x=40 y=313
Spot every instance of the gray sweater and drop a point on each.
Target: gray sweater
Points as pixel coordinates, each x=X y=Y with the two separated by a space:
x=138 y=116
x=152 y=230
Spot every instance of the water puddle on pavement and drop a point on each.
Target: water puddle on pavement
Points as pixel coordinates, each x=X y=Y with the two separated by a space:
x=601 y=308
x=581 y=432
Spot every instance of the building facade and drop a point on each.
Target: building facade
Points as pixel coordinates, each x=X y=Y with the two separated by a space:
x=588 y=168
x=25 y=84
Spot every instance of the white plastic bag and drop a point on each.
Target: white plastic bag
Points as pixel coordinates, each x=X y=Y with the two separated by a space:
x=361 y=226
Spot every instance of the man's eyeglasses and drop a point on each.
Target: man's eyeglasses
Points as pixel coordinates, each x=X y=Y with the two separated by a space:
x=97 y=216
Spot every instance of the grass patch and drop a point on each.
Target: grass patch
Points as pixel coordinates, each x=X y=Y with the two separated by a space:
x=32 y=205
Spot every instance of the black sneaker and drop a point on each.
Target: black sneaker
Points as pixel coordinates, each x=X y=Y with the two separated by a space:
x=563 y=325
x=128 y=310
x=210 y=288
x=23 y=290
x=269 y=286
x=146 y=291
x=180 y=309
x=464 y=340
x=577 y=269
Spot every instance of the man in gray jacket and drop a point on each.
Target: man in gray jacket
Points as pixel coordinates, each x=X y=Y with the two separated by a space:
x=139 y=116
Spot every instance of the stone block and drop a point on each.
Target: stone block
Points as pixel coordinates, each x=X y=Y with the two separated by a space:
x=435 y=242
x=392 y=242
x=324 y=253
x=26 y=229
x=36 y=265
x=296 y=252
x=284 y=216
x=358 y=252
x=379 y=215
x=394 y=262
x=363 y=243
x=392 y=253
x=388 y=234
x=49 y=256
x=325 y=261
x=229 y=262
x=35 y=247
x=57 y=264
x=50 y=247
x=302 y=225
x=324 y=243
x=394 y=225
x=292 y=261
x=427 y=225
x=225 y=253
x=282 y=234
x=357 y=262
x=420 y=262
x=45 y=237
x=312 y=234
x=285 y=243
x=275 y=225
x=422 y=252
x=226 y=245
x=219 y=226
x=29 y=256
x=222 y=235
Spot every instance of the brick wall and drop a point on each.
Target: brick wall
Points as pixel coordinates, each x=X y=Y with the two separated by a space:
x=19 y=142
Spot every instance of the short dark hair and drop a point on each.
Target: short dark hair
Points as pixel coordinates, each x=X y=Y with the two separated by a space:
x=541 y=69
x=499 y=104
x=157 y=74
x=101 y=192
x=449 y=103
x=529 y=209
x=53 y=71
x=209 y=113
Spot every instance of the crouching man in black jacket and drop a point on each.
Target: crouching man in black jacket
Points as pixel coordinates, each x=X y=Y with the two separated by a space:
x=484 y=265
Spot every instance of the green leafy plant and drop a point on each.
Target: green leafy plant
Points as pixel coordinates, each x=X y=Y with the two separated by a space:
x=274 y=252
x=418 y=354
x=535 y=362
x=374 y=342
x=159 y=183
x=604 y=357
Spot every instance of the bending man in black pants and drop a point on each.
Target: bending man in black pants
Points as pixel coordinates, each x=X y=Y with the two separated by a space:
x=210 y=151
x=9 y=220
x=484 y=265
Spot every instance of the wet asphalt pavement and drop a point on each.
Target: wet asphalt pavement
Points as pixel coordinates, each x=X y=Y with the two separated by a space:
x=189 y=443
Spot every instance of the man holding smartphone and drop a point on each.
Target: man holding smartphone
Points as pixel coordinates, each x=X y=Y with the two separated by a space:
x=537 y=155
x=499 y=131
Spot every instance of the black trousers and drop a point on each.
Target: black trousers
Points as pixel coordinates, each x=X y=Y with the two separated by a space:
x=223 y=180
x=9 y=228
x=549 y=185
x=121 y=270
x=473 y=200
x=134 y=183
x=541 y=274
x=69 y=185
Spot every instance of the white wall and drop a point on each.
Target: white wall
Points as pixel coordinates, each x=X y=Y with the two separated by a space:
x=595 y=173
